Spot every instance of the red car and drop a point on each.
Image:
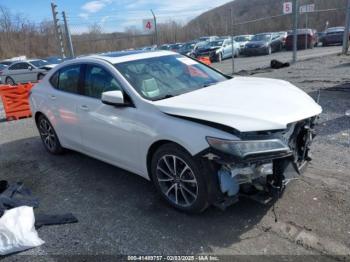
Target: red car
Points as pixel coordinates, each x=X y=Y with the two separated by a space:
x=306 y=38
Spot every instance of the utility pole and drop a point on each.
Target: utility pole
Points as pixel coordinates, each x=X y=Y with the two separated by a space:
x=232 y=42
x=306 y=27
x=155 y=28
x=58 y=31
x=68 y=35
x=295 y=27
x=346 y=31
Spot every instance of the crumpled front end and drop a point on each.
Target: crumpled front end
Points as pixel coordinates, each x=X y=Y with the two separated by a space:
x=262 y=174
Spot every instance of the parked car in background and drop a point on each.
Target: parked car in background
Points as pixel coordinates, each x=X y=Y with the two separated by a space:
x=2 y=67
x=199 y=136
x=242 y=40
x=175 y=47
x=187 y=48
x=264 y=43
x=149 y=48
x=208 y=48
x=225 y=51
x=208 y=38
x=320 y=36
x=164 y=47
x=198 y=45
x=6 y=62
x=333 y=36
x=55 y=60
x=306 y=38
x=283 y=35
x=26 y=71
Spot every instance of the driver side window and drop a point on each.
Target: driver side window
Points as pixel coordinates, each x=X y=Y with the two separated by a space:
x=98 y=80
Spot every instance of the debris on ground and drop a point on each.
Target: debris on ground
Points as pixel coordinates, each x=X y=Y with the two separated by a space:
x=17 y=231
x=275 y=64
x=18 y=222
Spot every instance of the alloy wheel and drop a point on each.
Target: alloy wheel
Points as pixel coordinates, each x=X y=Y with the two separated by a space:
x=177 y=180
x=47 y=134
x=9 y=81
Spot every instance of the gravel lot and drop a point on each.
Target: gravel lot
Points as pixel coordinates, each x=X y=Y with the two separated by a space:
x=254 y=62
x=120 y=213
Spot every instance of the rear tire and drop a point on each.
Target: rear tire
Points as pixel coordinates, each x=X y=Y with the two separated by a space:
x=178 y=178
x=48 y=136
x=10 y=81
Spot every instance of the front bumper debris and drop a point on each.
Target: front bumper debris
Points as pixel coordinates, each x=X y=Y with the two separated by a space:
x=264 y=177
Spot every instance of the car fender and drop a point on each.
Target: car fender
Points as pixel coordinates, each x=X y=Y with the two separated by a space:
x=158 y=126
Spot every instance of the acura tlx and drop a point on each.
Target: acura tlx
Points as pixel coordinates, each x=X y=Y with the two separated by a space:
x=201 y=137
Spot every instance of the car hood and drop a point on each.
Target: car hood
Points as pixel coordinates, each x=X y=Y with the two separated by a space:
x=208 y=48
x=244 y=103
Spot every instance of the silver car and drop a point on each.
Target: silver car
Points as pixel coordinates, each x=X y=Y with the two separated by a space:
x=25 y=71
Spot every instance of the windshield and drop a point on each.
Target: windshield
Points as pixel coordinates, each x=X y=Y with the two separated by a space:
x=335 y=30
x=187 y=46
x=166 y=76
x=164 y=47
x=242 y=38
x=216 y=43
x=6 y=62
x=39 y=63
x=201 y=44
x=265 y=38
x=175 y=46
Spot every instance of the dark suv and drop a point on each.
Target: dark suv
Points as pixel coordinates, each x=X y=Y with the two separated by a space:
x=333 y=36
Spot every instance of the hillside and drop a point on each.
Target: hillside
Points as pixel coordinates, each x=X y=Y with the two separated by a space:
x=217 y=20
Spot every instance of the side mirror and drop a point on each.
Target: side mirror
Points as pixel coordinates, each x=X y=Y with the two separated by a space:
x=30 y=68
x=113 y=98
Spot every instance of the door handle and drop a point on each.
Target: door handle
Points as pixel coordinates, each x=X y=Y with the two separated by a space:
x=52 y=97
x=84 y=107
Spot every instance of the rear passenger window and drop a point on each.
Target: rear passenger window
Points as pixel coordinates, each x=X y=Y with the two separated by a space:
x=67 y=79
x=19 y=66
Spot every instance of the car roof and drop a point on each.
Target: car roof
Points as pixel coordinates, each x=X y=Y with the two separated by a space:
x=126 y=56
x=335 y=29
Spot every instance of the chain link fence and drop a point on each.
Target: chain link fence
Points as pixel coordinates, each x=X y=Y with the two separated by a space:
x=113 y=32
x=95 y=39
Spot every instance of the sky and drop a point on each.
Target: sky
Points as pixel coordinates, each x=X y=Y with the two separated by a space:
x=111 y=15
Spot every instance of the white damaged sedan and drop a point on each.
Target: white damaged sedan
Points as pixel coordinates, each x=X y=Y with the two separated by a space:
x=203 y=138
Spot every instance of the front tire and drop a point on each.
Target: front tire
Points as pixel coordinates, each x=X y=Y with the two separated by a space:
x=178 y=178
x=269 y=50
x=219 y=57
x=48 y=136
